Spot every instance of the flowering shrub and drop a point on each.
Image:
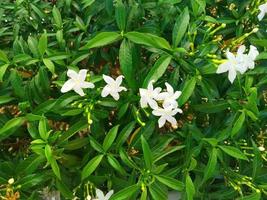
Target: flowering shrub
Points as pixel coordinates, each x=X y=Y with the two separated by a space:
x=104 y=99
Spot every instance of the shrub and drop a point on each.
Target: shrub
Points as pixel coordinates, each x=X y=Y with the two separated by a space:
x=70 y=122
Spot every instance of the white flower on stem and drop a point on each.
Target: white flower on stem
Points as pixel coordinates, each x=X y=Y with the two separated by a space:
x=169 y=97
x=233 y=64
x=149 y=96
x=113 y=87
x=76 y=82
x=166 y=114
x=251 y=57
x=100 y=195
x=263 y=11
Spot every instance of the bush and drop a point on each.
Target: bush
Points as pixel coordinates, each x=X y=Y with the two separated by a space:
x=70 y=123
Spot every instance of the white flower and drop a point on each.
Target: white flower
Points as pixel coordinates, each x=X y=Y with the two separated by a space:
x=239 y=63
x=149 y=96
x=263 y=11
x=100 y=195
x=76 y=82
x=169 y=97
x=166 y=114
x=113 y=87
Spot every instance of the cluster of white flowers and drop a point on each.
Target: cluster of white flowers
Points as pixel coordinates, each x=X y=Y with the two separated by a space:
x=77 y=82
x=263 y=11
x=100 y=195
x=240 y=62
x=164 y=104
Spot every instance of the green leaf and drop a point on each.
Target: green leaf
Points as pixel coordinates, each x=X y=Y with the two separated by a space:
x=234 y=152
x=187 y=91
x=3 y=57
x=10 y=127
x=189 y=188
x=57 y=17
x=157 y=192
x=33 y=46
x=170 y=182
x=126 y=63
x=50 y=65
x=180 y=27
x=5 y=99
x=42 y=128
x=52 y=161
x=211 y=166
x=110 y=137
x=147 y=153
x=42 y=45
x=115 y=164
x=148 y=40
x=120 y=15
x=211 y=107
x=157 y=70
x=102 y=39
x=238 y=124
x=91 y=166
x=124 y=134
x=64 y=190
x=125 y=193
x=3 y=69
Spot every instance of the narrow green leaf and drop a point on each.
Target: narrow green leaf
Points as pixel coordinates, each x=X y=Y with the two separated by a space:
x=102 y=39
x=120 y=15
x=50 y=65
x=42 y=128
x=147 y=153
x=238 y=124
x=3 y=69
x=148 y=40
x=91 y=166
x=180 y=27
x=110 y=137
x=42 y=45
x=126 y=63
x=189 y=188
x=211 y=166
x=3 y=57
x=234 y=152
x=5 y=99
x=52 y=161
x=158 y=69
x=10 y=127
x=115 y=164
x=125 y=193
x=187 y=91
x=170 y=182
x=57 y=17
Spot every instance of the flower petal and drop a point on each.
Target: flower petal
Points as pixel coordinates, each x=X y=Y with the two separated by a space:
x=87 y=85
x=82 y=74
x=109 y=194
x=172 y=120
x=232 y=75
x=119 y=80
x=143 y=102
x=72 y=74
x=161 y=121
x=106 y=91
x=241 y=50
x=78 y=90
x=157 y=112
x=99 y=194
x=153 y=104
x=108 y=79
x=223 y=67
x=169 y=88
x=115 y=95
x=150 y=85
x=68 y=85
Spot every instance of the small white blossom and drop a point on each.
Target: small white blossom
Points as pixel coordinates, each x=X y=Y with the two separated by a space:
x=113 y=87
x=100 y=195
x=166 y=114
x=263 y=11
x=240 y=62
x=169 y=97
x=149 y=96
x=76 y=82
